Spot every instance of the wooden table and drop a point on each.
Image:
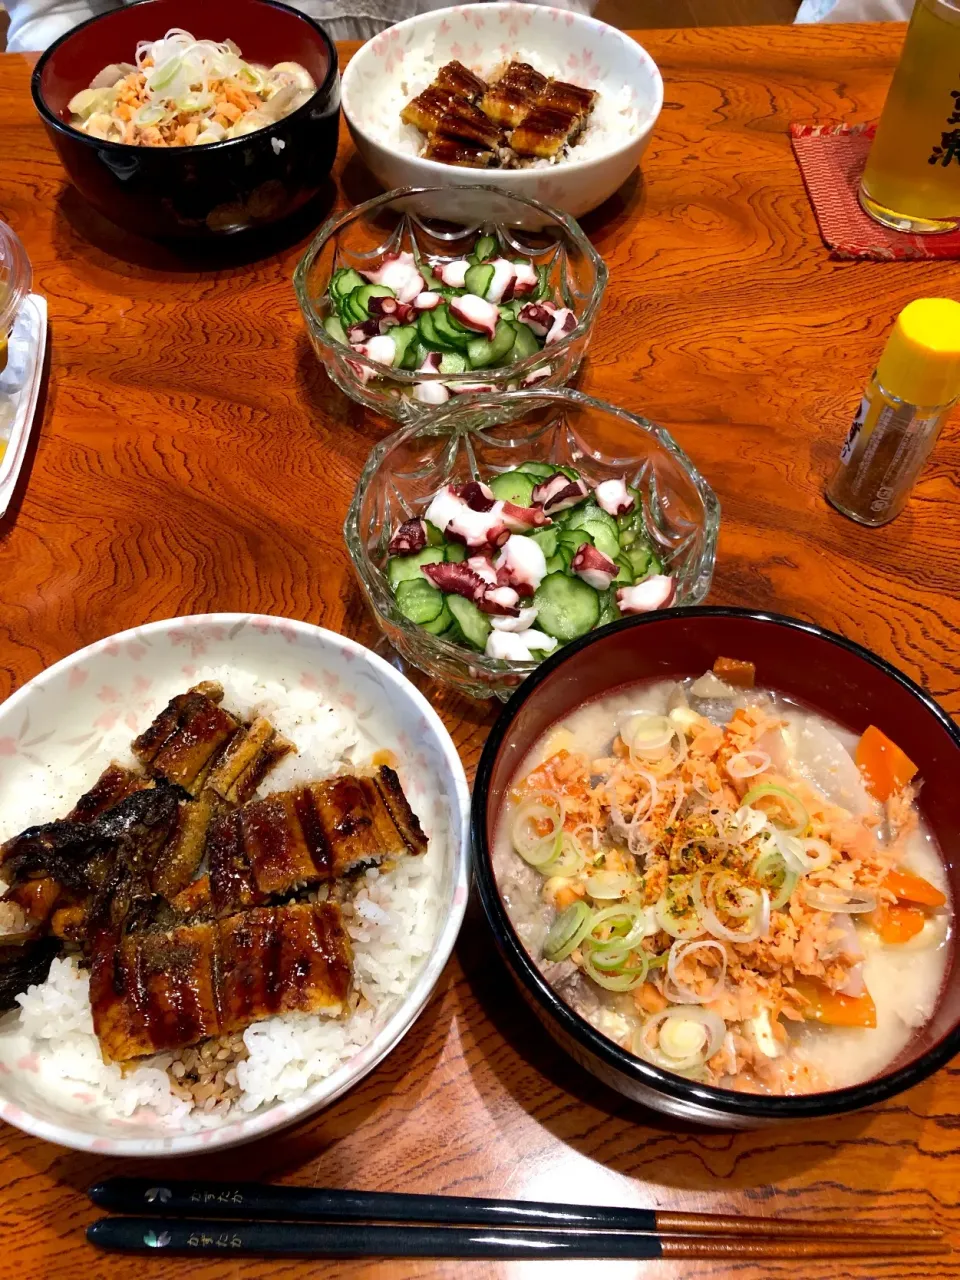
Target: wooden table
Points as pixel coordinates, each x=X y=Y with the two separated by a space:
x=193 y=457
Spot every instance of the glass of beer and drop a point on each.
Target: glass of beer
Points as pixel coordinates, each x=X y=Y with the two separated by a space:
x=912 y=179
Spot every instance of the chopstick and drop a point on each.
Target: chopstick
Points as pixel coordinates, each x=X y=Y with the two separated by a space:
x=249 y=1200
x=327 y=1240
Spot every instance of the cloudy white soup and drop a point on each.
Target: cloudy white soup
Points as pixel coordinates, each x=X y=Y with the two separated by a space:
x=728 y=885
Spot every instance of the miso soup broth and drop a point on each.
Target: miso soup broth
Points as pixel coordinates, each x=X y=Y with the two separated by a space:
x=728 y=885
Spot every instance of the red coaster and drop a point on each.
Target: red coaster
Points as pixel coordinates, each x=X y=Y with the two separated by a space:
x=831 y=159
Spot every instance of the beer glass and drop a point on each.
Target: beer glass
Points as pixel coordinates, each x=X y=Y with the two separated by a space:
x=912 y=179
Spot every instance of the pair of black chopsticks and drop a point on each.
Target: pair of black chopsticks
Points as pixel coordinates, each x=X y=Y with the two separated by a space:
x=247 y=1218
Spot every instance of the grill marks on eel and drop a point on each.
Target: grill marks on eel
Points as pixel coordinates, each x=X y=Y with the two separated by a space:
x=310 y=836
x=156 y=991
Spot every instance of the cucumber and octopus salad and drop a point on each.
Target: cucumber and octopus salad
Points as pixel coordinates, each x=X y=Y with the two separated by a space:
x=533 y=559
x=471 y=314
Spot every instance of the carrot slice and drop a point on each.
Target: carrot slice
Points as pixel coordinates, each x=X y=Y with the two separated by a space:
x=833 y=1009
x=884 y=766
x=896 y=924
x=906 y=887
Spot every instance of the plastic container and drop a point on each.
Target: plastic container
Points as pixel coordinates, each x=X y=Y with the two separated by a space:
x=23 y=333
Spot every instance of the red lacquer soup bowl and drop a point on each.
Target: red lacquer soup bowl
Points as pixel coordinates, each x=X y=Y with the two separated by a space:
x=207 y=191
x=828 y=674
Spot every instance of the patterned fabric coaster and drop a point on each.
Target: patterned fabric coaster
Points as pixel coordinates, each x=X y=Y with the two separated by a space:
x=831 y=159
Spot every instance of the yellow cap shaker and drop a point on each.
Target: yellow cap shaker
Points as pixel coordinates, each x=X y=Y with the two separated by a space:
x=916 y=383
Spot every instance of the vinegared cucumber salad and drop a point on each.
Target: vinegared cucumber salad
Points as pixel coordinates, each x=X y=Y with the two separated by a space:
x=534 y=558
x=455 y=317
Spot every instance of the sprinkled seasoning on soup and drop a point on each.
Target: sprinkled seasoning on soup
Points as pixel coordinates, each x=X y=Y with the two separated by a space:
x=727 y=885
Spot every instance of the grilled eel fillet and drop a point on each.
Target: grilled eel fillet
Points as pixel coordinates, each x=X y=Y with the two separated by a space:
x=199 y=761
x=464 y=119
x=157 y=991
x=313 y=835
x=437 y=111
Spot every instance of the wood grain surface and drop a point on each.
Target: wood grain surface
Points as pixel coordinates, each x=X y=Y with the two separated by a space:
x=193 y=457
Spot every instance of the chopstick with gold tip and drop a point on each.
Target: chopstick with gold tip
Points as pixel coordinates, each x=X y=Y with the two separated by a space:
x=249 y=1200
x=351 y=1240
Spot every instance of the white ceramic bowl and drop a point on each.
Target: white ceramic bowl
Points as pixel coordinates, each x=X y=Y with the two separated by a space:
x=587 y=52
x=60 y=717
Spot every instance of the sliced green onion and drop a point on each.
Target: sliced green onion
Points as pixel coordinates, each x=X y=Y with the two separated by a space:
x=780 y=793
x=165 y=74
x=568 y=859
x=151 y=114
x=684 y=924
x=567 y=931
x=679 y=1051
x=737 y=899
x=532 y=847
x=624 y=980
x=772 y=871
x=609 y=884
x=632 y=925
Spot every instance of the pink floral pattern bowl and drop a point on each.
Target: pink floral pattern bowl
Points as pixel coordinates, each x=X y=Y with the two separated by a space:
x=63 y=716
x=399 y=62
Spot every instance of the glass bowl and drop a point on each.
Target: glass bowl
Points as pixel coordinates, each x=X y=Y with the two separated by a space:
x=442 y=224
x=477 y=437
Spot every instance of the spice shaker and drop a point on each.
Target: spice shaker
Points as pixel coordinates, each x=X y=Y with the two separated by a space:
x=916 y=383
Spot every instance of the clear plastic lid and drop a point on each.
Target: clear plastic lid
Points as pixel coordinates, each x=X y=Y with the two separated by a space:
x=15 y=277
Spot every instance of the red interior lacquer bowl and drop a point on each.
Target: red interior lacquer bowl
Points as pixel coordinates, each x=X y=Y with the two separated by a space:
x=207 y=191
x=830 y=675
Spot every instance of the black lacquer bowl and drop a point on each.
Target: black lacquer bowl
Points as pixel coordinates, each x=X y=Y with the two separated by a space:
x=196 y=192
x=814 y=667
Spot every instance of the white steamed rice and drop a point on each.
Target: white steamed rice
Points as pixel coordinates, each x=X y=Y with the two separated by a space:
x=611 y=123
x=392 y=930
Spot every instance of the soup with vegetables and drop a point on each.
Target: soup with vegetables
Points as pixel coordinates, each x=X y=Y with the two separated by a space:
x=184 y=92
x=727 y=885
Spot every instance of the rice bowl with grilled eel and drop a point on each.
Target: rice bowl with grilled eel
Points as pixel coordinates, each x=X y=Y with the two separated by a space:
x=218 y=996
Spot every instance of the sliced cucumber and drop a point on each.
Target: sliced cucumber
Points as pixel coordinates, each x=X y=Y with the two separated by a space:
x=441 y=623
x=335 y=329
x=546 y=540
x=431 y=283
x=420 y=353
x=605 y=541
x=591 y=514
x=419 y=601
x=526 y=343
x=542 y=470
x=567 y=607
x=474 y=624
x=455 y=552
x=513 y=486
x=407 y=568
x=625 y=577
x=434 y=535
x=345 y=281
x=556 y=564
x=447 y=332
x=608 y=608
x=633 y=517
x=639 y=558
x=478 y=280
x=405 y=338
x=482 y=352
x=428 y=333
x=543 y=288
x=453 y=362
x=361 y=297
x=486 y=247
x=350 y=309
x=573 y=538
x=509 y=310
